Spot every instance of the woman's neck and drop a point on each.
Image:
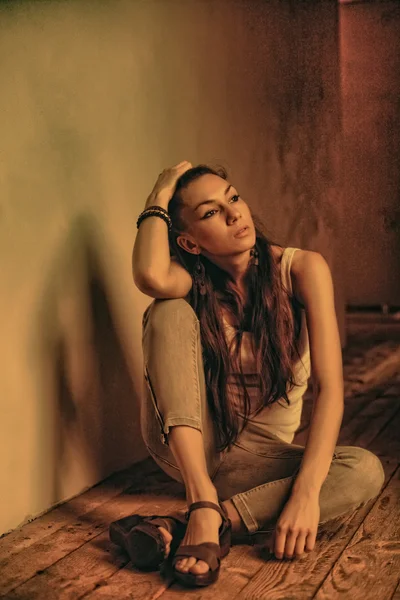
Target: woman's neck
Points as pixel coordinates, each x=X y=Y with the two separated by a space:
x=236 y=266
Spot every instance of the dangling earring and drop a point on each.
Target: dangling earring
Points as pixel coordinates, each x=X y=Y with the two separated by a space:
x=199 y=274
x=254 y=255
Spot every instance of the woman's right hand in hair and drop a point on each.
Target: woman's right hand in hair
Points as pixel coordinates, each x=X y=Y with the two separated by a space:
x=165 y=185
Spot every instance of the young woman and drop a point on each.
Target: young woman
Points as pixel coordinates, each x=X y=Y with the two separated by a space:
x=237 y=327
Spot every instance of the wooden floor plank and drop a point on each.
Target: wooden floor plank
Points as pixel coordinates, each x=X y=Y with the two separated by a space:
x=370 y=565
x=298 y=579
x=67 y=513
x=66 y=553
x=237 y=569
x=40 y=557
x=129 y=584
x=387 y=443
x=244 y=562
x=88 y=566
x=396 y=595
x=362 y=429
x=87 y=569
x=375 y=366
x=369 y=422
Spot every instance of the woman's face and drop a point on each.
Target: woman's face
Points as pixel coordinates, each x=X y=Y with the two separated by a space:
x=214 y=212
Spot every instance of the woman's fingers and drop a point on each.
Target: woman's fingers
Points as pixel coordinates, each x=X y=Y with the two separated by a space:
x=291 y=544
x=167 y=179
x=185 y=165
x=280 y=542
x=310 y=542
x=183 y=162
x=300 y=544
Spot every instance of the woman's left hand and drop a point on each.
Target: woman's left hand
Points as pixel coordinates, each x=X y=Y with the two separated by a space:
x=296 y=528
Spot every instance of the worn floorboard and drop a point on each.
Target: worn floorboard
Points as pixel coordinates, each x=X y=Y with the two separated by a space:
x=66 y=559
x=369 y=567
x=66 y=513
x=66 y=554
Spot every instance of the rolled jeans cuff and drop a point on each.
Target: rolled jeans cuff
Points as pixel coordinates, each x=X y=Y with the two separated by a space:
x=244 y=513
x=171 y=421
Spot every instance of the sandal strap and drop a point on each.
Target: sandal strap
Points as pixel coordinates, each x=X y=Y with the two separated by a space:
x=209 y=552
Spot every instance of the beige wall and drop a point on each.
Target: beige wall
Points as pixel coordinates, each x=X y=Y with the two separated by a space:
x=96 y=99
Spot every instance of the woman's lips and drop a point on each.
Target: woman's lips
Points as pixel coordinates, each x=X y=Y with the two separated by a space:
x=242 y=232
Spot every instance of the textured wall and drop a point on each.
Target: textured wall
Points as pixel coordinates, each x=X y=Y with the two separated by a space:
x=370 y=73
x=97 y=98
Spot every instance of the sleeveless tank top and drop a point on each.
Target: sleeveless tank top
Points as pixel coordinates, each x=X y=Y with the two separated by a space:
x=279 y=418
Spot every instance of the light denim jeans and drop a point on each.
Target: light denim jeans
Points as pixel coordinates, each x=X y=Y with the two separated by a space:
x=258 y=471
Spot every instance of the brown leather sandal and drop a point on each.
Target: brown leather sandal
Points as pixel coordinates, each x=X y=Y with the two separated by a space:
x=140 y=537
x=210 y=552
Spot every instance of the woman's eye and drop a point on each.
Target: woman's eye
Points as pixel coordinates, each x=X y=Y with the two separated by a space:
x=209 y=212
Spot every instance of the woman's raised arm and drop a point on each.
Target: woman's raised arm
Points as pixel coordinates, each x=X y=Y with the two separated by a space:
x=154 y=273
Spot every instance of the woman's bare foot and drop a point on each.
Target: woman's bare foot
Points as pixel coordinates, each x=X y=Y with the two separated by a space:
x=167 y=539
x=203 y=526
x=179 y=514
x=202 y=522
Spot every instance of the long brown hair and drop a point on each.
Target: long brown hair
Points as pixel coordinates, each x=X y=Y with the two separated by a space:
x=272 y=315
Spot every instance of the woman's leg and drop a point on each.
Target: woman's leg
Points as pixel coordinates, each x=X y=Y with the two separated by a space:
x=176 y=424
x=256 y=478
x=175 y=390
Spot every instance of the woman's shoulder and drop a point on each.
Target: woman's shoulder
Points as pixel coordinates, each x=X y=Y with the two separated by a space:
x=295 y=265
x=279 y=251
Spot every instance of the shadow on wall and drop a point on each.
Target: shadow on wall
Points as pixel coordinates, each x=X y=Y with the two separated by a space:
x=88 y=423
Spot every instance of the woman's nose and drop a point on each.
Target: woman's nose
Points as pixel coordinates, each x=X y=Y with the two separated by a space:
x=233 y=214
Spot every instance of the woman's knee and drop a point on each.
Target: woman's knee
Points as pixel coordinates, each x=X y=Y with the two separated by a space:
x=170 y=313
x=171 y=335
x=368 y=475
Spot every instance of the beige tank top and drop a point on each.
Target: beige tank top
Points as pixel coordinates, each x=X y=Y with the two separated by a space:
x=279 y=418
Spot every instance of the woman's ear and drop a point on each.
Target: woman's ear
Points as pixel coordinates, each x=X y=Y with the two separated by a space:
x=188 y=244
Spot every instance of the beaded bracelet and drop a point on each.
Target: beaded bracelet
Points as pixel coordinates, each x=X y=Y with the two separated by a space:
x=152 y=212
x=155 y=206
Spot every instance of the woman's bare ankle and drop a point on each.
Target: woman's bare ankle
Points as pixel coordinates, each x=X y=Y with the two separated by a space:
x=201 y=490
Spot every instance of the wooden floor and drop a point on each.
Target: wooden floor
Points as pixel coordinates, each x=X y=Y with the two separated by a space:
x=66 y=553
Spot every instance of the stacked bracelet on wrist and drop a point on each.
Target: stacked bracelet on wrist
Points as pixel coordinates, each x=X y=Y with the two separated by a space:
x=155 y=211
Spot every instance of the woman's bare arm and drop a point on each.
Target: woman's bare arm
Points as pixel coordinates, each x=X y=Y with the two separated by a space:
x=177 y=284
x=154 y=273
